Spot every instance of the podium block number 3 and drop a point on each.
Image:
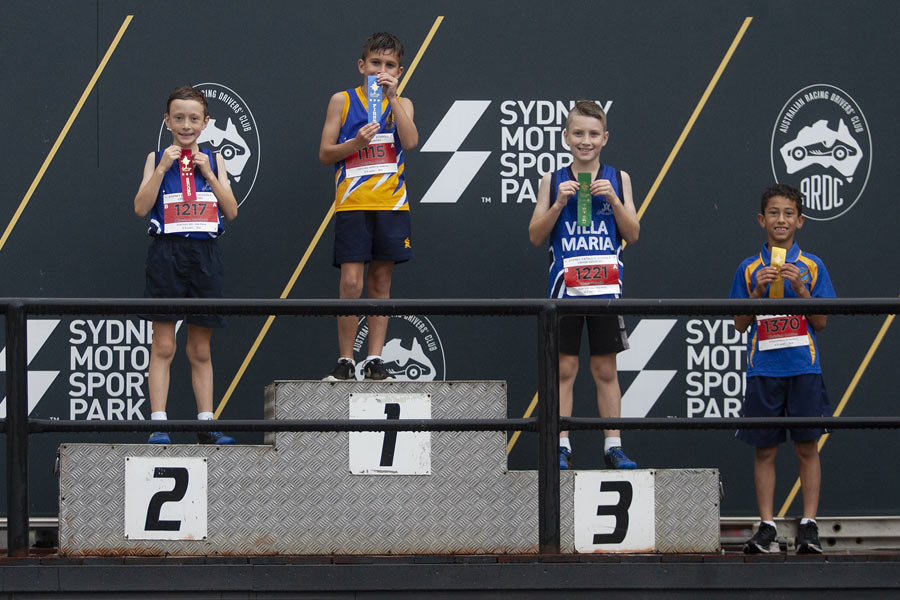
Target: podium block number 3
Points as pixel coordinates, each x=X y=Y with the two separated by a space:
x=614 y=511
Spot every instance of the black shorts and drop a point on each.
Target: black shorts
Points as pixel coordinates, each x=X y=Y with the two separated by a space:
x=797 y=396
x=180 y=267
x=606 y=334
x=367 y=235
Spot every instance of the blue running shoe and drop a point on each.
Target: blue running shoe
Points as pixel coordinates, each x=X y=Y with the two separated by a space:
x=159 y=437
x=215 y=437
x=564 y=457
x=615 y=459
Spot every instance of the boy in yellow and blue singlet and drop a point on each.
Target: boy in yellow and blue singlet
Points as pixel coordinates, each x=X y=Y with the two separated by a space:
x=784 y=377
x=372 y=224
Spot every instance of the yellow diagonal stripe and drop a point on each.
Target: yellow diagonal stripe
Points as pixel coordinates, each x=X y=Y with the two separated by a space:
x=665 y=168
x=843 y=403
x=65 y=130
x=312 y=246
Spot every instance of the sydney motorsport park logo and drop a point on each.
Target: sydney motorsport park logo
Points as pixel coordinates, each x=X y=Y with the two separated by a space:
x=531 y=145
x=821 y=145
x=232 y=133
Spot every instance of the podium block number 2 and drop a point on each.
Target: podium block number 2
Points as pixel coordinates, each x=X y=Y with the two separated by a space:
x=390 y=452
x=165 y=498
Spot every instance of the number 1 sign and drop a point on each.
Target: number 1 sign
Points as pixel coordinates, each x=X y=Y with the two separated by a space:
x=390 y=452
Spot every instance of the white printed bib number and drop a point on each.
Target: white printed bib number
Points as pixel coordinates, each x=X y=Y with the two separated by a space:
x=380 y=156
x=591 y=275
x=201 y=214
x=781 y=331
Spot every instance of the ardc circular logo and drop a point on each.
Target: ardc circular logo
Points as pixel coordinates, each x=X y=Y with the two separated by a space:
x=232 y=133
x=412 y=350
x=821 y=145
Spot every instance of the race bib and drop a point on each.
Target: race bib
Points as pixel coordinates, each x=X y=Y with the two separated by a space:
x=781 y=331
x=591 y=275
x=380 y=156
x=182 y=216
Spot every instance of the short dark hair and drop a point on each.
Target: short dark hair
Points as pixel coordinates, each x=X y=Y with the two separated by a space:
x=587 y=108
x=782 y=189
x=186 y=92
x=383 y=41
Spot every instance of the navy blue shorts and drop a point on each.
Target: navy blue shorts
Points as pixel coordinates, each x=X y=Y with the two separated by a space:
x=180 y=267
x=367 y=235
x=797 y=396
x=606 y=334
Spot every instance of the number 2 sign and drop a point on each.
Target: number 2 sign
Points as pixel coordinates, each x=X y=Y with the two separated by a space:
x=165 y=498
x=390 y=452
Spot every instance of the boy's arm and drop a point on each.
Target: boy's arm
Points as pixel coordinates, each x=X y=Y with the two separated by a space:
x=791 y=273
x=330 y=151
x=402 y=109
x=153 y=176
x=545 y=215
x=763 y=277
x=220 y=185
x=623 y=208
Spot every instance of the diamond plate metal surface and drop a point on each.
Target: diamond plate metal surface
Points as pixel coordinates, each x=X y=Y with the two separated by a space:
x=298 y=497
x=687 y=510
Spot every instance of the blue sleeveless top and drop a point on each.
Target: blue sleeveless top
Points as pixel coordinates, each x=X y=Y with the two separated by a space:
x=171 y=184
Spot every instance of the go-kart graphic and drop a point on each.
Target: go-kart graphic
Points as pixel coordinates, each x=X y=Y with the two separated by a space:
x=817 y=144
x=409 y=364
x=229 y=143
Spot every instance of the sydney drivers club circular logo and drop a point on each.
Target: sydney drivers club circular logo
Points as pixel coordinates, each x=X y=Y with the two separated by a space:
x=412 y=349
x=821 y=145
x=232 y=133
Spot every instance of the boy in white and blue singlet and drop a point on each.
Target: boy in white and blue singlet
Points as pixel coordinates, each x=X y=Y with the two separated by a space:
x=183 y=260
x=784 y=377
x=371 y=223
x=586 y=262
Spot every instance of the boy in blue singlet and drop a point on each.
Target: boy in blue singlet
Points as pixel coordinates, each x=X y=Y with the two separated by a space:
x=371 y=224
x=586 y=262
x=186 y=193
x=784 y=377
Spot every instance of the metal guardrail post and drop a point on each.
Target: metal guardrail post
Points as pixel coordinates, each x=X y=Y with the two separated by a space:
x=17 y=429
x=548 y=431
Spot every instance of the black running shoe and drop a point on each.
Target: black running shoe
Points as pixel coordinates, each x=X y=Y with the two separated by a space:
x=344 y=370
x=808 y=539
x=761 y=542
x=376 y=371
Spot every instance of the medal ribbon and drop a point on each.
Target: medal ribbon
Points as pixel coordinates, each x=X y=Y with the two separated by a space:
x=584 y=199
x=186 y=167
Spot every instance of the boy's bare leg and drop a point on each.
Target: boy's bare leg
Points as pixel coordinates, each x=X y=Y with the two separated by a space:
x=609 y=397
x=351 y=287
x=764 y=479
x=568 y=369
x=200 y=357
x=162 y=350
x=378 y=282
x=810 y=476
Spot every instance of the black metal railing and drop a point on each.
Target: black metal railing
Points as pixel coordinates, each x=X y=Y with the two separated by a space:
x=18 y=426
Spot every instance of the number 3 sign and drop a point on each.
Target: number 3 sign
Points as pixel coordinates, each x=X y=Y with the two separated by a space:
x=165 y=498
x=614 y=511
x=390 y=452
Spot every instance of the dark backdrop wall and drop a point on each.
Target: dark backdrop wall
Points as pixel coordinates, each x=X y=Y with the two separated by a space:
x=490 y=94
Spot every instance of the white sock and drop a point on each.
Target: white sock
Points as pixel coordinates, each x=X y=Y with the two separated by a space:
x=373 y=357
x=158 y=415
x=350 y=360
x=564 y=443
x=611 y=442
x=205 y=416
x=772 y=523
x=806 y=520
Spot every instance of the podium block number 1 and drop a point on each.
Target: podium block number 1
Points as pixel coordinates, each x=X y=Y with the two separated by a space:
x=390 y=452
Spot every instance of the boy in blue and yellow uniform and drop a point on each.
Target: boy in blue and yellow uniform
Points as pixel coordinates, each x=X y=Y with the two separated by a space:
x=371 y=206
x=586 y=262
x=186 y=192
x=783 y=373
